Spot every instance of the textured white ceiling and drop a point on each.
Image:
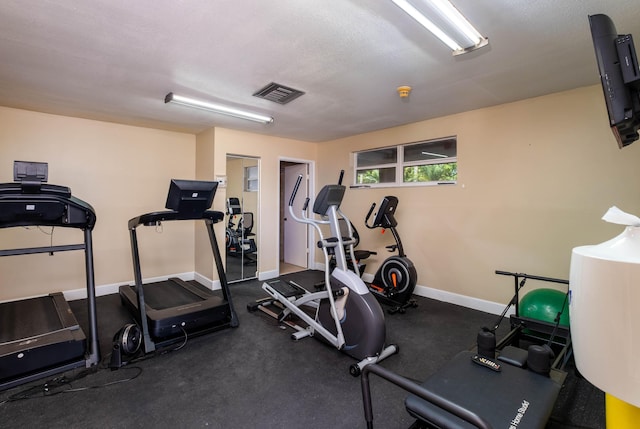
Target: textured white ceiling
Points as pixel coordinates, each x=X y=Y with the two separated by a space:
x=116 y=60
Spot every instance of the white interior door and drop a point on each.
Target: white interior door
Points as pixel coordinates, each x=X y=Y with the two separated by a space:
x=295 y=233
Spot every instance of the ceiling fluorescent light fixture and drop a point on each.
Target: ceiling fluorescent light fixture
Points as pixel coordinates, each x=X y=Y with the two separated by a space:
x=452 y=27
x=217 y=108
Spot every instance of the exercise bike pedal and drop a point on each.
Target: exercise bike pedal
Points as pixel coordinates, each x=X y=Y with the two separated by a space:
x=403 y=308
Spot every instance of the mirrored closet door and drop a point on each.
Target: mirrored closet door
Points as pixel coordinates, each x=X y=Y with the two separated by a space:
x=243 y=186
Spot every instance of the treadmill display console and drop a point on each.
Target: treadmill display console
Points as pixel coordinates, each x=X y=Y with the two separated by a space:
x=190 y=198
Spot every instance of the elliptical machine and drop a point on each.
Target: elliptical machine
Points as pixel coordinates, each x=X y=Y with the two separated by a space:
x=395 y=280
x=347 y=316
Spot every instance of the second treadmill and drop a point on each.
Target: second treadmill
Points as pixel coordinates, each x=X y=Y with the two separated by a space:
x=167 y=311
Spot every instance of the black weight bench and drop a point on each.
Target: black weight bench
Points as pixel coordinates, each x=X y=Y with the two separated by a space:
x=512 y=397
x=464 y=395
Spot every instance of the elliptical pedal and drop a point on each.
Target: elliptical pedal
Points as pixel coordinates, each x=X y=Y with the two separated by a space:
x=287 y=289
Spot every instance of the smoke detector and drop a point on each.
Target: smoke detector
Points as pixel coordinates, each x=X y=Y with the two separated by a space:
x=403 y=91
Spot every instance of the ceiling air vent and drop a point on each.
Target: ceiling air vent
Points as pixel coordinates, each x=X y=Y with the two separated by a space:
x=278 y=93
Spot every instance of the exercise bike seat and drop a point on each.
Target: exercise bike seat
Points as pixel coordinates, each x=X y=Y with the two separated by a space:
x=512 y=397
x=363 y=254
x=359 y=254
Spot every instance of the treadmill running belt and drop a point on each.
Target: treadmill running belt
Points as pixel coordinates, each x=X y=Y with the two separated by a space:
x=168 y=294
x=174 y=307
x=28 y=318
x=38 y=335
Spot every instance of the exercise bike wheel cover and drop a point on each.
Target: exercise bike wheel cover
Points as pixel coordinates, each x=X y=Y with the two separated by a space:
x=395 y=276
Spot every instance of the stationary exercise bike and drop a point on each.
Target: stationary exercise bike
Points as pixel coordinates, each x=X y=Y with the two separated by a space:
x=239 y=241
x=395 y=280
x=344 y=314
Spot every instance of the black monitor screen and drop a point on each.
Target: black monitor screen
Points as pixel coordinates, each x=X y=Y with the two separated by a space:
x=384 y=217
x=191 y=198
x=620 y=78
x=329 y=195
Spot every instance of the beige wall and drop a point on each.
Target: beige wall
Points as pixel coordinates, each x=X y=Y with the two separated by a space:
x=269 y=150
x=204 y=265
x=535 y=177
x=122 y=171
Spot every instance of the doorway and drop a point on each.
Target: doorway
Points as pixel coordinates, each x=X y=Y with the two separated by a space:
x=294 y=236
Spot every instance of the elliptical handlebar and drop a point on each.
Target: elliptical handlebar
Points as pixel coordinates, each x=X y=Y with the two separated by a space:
x=295 y=190
x=327 y=205
x=303 y=218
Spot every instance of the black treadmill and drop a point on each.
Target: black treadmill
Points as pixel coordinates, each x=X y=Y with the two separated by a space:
x=41 y=336
x=168 y=311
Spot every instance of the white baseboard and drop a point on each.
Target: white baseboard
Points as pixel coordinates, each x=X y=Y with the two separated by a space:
x=462 y=300
x=449 y=297
x=108 y=289
x=427 y=292
x=266 y=275
x=207 y=282
x=367 y=277
x=74 y=294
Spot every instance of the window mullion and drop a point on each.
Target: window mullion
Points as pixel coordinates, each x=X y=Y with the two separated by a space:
x=400 y=165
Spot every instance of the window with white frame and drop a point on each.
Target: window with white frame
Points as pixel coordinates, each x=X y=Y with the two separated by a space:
x=423 y=162
x=251 y=179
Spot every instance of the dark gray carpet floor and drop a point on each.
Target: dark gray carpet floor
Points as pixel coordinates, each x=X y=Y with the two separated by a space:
x=255 y=376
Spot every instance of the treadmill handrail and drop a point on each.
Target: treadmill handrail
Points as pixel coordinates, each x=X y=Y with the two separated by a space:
x=44 y=188
x=152 y=218
x=44 y=249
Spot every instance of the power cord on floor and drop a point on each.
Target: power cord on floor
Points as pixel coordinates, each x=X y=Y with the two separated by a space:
x=64 y=384
x=184 y=343
x=57 y=384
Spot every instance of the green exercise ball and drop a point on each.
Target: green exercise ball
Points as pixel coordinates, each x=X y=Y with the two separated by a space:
x=544 y=305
